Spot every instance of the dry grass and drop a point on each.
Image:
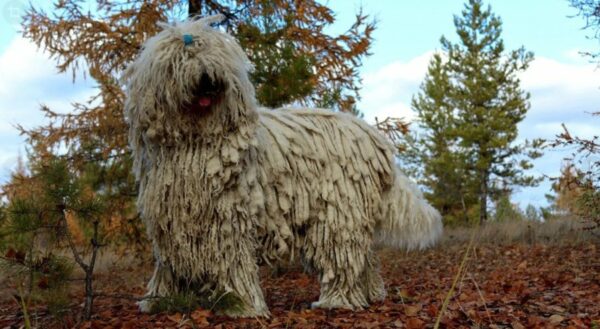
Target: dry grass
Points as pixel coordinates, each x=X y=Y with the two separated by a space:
x=556 y=231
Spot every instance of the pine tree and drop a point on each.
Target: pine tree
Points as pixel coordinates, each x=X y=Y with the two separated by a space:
x=468 y=110
x=36 y=232
x=281 y=75
x=532 y=213
x=436 y=151
x=505 y=210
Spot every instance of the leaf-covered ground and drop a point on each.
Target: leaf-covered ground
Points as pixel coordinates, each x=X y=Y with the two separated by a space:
x=518 y=286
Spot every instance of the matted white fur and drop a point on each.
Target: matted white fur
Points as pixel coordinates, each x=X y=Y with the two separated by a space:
x=222 y=189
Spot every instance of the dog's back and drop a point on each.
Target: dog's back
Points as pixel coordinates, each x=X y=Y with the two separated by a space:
x=324 y=176
x=330 y=179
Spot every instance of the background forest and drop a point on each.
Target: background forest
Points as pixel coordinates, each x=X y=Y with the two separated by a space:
x=68 y=217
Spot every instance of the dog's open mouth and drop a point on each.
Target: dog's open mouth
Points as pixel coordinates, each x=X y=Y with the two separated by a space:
x=207 y=93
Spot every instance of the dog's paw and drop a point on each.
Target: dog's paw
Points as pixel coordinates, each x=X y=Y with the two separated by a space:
x=331 y=304
x=145 y=306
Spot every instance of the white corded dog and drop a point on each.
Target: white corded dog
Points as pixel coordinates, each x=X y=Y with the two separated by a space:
x=224 y=183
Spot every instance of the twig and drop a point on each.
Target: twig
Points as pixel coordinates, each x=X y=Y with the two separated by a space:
x=87 y=268
x=458 y=275
x=482 y=298
x=459 y=292
x=24 y=305
x=123 y=296
x=61 y=209
x=394 y=129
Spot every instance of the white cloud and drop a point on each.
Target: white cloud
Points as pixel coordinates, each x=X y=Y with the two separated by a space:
x=561 y=92
x=388 y=91
x=576 y=56
x=574 y=77
x=28 y=78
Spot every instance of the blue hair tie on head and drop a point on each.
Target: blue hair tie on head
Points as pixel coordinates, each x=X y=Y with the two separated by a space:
x=188 y=39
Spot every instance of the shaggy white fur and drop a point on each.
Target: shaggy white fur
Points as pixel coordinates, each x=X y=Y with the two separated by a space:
x=224 y=183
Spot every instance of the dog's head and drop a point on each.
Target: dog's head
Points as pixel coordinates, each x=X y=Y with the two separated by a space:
x=189 y=79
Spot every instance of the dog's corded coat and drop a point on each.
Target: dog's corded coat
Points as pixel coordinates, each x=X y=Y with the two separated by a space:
x=222 y=188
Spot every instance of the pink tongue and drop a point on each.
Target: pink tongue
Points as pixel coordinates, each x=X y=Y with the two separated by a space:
x=204 y=101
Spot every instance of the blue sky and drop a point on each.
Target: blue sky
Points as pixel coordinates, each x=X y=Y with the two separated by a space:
x=408 y=29
x=563 y=84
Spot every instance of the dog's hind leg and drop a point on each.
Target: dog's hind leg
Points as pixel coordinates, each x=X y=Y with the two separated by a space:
x=340 y=287
x=371 y=280
x=340 y=259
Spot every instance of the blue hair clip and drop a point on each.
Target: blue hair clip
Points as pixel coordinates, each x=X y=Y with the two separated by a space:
x=188 y=39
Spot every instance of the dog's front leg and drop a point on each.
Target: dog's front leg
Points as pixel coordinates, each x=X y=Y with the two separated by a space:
x=241 y=282
x=162 y=284
x=237 y=270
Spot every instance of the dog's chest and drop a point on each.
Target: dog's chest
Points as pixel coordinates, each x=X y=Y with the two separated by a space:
x=185 y=183
x=191 y=195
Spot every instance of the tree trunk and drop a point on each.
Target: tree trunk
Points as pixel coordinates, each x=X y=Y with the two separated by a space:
x=483 y=190
x=89 y=274
x=464 y=207
x=88 y=268
x=89 y=296
x=194 y=8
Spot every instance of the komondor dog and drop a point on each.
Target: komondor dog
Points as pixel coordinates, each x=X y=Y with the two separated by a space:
x=225 y=184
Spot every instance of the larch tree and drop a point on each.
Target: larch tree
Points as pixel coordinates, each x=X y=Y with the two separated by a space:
x=468 y=109
x=297 y=62
x=568 y=190
x=578 y=188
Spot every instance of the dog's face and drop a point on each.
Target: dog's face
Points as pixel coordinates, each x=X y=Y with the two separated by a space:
x=186 y=74
x=206 y=95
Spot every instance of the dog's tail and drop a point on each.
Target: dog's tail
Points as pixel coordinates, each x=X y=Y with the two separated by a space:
x=408 y=222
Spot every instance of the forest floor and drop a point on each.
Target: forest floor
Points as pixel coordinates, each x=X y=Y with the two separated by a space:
x=531 y=282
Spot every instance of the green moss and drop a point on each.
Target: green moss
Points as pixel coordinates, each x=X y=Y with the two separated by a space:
x=181 y=302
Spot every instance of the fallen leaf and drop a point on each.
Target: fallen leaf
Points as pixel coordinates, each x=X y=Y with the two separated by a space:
x=175 y=317
x=201 y=313
x=131 y=324
x=200 y=317
x=517 y=325
x=412 y=310
x=556 y=319
x=415 y=323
